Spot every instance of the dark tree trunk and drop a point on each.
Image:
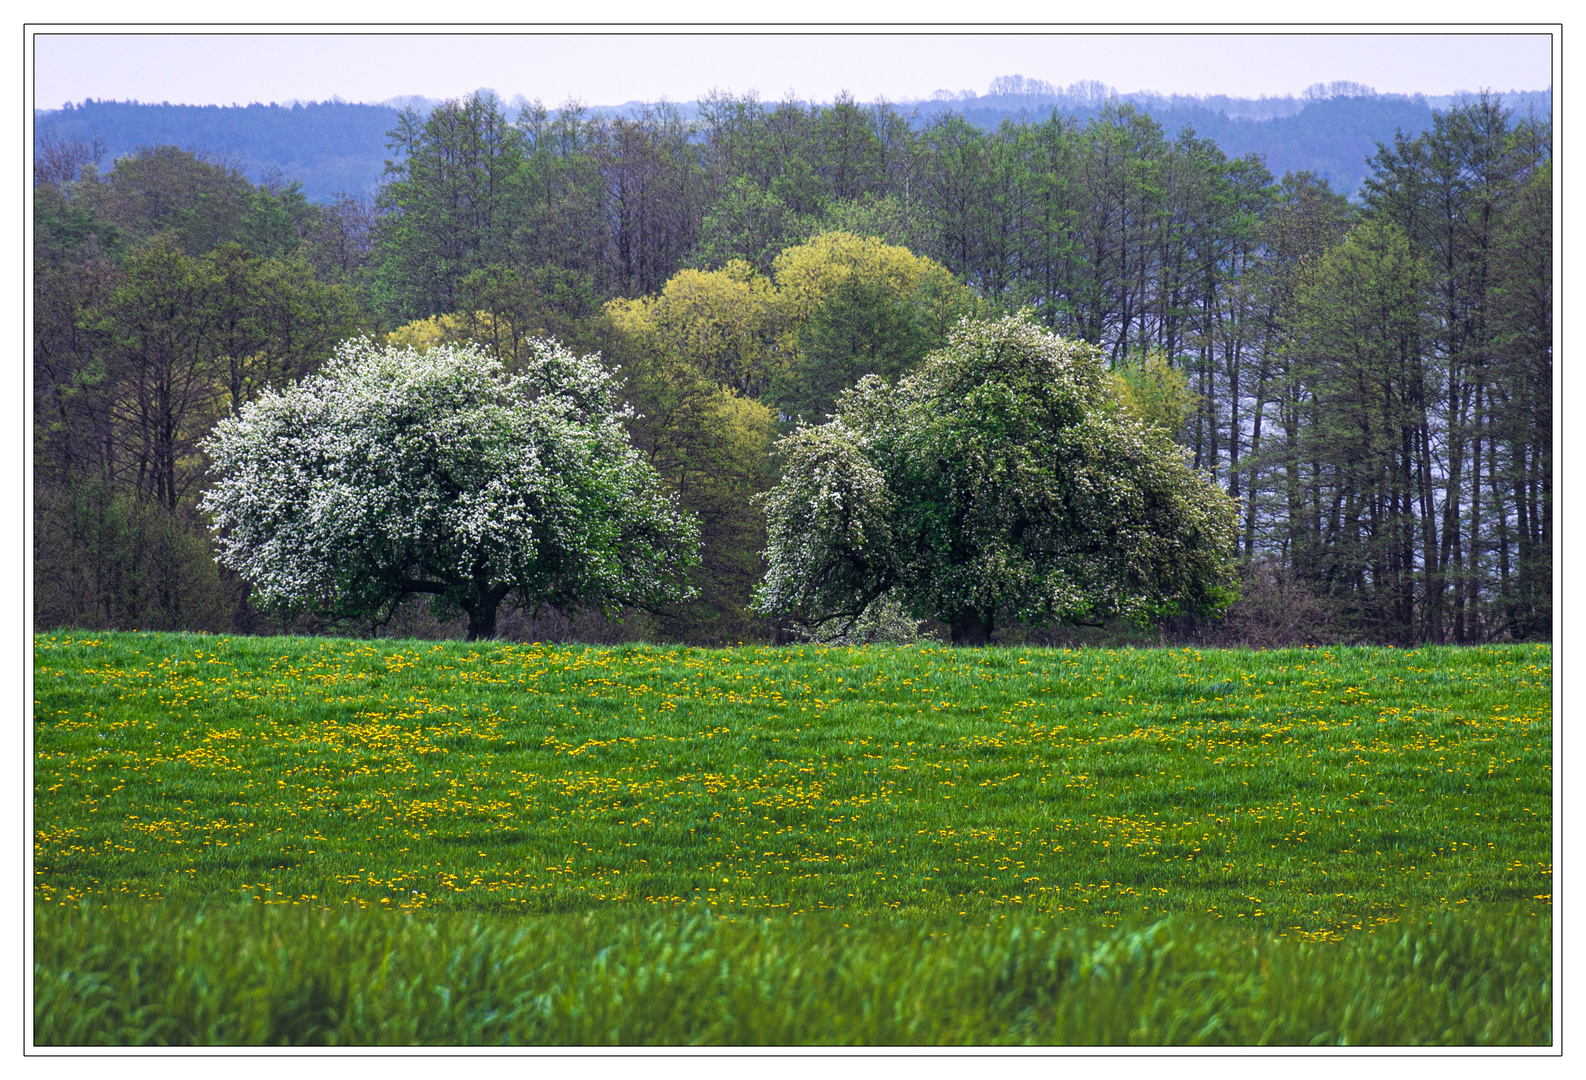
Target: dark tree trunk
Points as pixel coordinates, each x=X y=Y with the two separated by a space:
x=481 y=608
x=482 y=622
x=971 y=629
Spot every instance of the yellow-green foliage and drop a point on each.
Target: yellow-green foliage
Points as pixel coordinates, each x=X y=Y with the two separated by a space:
x=1153 y=392
x=725 y=322
x=494 y=332
x=807 y=274
x=701 y=350
x=741 y=329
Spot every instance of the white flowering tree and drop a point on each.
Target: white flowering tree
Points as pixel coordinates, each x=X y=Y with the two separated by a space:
x=996 y=481
x=391 y=474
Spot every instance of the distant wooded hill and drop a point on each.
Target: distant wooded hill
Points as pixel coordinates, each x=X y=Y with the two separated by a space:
x=328 y=146
x=336 y=146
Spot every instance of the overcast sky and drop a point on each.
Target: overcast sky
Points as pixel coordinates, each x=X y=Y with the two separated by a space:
x=612 y=69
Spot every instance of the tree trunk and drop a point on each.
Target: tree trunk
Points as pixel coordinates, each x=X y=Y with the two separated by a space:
x=481 y=607
x=971 y=629
x=482 y=622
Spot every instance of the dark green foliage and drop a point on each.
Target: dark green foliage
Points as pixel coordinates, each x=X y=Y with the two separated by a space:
x=651 y=169
x=141 y=341
x=862 y=328
x=275 y=220
x=1363 y=314
x=103 y=558
x=451 y=205
x=564 y=219
x=747 y=222
x=65 y=232
x=994 y=482
x=1522 y=410
x=545 y=301
x=163 y=189
x=713 y=449
x=1457 y=445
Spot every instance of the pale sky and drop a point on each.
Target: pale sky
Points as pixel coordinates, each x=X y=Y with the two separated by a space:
x=610 y=69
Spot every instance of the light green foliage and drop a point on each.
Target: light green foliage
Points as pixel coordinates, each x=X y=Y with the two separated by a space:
x=834 y=308
x=393 y=473
x=882 y=216
x=1155 y=393
x=993 y=483
x=1363 y=307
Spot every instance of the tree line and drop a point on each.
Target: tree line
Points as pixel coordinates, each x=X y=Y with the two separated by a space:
x=1370 y=382
x=334 y=145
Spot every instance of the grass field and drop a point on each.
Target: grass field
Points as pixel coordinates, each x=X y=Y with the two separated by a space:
x=1310 y=798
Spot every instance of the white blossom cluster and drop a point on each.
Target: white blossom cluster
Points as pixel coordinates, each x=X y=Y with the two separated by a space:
x=993 y=482
x=391 y=472
x=830 y=522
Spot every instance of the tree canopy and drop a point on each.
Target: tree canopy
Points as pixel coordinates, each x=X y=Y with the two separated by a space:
x=996 y=481
x=724 y=322
x=393 y=473
x=834 y=308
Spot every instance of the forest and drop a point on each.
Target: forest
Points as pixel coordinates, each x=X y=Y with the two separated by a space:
x=1371 y=382
x=337 y=145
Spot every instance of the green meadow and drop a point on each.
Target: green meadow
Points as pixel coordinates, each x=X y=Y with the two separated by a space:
x=1283 y=843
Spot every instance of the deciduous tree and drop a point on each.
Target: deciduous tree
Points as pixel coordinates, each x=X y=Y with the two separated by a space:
x=393 y=473
x=994 y=482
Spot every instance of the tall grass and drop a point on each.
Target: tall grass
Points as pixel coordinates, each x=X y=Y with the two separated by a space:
x=135 y=975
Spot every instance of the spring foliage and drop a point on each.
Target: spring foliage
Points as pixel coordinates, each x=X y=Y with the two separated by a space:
x=393 y=473
x=773 y=335
x=994 y=482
